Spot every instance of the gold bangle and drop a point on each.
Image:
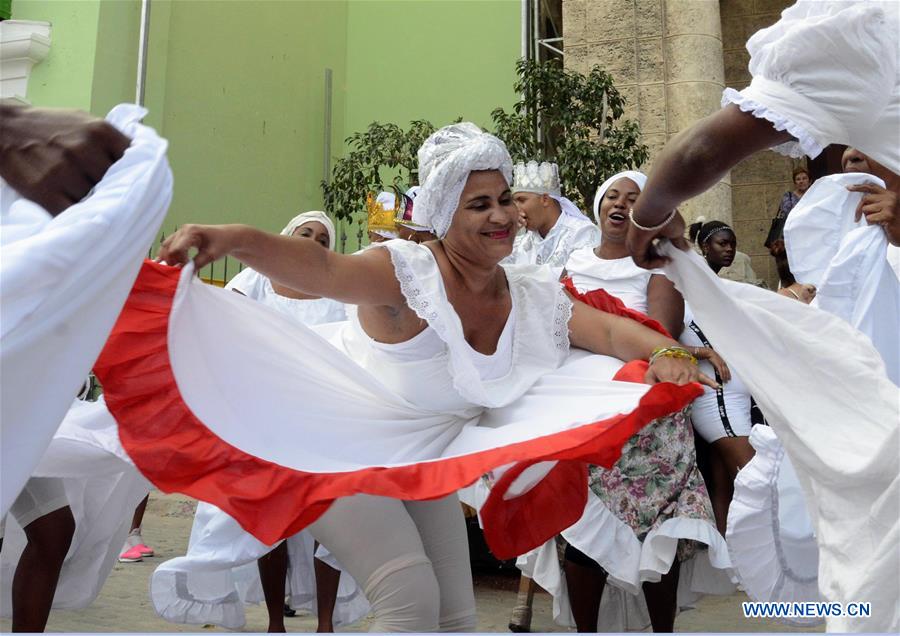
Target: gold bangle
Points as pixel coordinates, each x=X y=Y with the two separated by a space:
x=672 y=352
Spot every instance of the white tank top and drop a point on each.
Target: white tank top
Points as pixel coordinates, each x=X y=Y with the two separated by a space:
x=619 y=277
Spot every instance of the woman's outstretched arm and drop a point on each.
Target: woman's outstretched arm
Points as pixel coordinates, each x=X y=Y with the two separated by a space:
x=690 y=164
x=360 y=279
x=599 y=332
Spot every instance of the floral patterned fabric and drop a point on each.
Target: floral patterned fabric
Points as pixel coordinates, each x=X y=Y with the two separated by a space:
x=656 y=479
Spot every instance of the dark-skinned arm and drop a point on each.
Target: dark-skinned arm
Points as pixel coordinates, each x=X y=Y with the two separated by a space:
x=665 y=304
x=55 y=157
x=690 y=164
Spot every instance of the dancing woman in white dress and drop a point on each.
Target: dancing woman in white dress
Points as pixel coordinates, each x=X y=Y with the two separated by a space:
x=448 y=309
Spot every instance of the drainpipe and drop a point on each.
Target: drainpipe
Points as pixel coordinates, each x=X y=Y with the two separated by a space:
x=142 y=53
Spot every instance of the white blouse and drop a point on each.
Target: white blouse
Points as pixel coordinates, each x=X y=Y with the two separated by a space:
x=567 y=235
x=619 y=277
x=308 y=312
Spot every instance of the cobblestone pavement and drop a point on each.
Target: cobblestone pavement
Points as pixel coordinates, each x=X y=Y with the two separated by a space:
x=124 y=605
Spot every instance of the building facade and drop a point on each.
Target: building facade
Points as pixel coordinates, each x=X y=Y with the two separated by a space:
x=672 y=59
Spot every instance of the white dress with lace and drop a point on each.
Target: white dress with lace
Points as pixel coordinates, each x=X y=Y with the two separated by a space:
x=325 y=426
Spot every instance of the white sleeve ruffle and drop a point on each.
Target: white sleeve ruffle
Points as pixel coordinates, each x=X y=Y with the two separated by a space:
x=827 y=72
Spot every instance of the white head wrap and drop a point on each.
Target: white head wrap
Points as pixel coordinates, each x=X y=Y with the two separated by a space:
x=306 y=217
x=638 y=177
x=445 y=161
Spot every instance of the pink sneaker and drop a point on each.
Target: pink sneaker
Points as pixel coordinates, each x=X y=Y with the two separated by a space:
x=131 y=555
x=145 y=550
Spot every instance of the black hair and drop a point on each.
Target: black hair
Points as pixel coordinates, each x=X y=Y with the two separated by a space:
x=700 y=232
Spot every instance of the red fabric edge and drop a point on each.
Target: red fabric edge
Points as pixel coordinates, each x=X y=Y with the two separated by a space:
x=177 y=452
x=604 y=301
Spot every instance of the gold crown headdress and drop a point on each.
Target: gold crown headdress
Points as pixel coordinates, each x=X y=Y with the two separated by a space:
x=380 y=217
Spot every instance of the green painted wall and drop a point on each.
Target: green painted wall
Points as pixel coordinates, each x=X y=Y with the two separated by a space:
x=65 y=78
x=238 y=86
x=243 y=100
x=430 y=59
x=115 y=66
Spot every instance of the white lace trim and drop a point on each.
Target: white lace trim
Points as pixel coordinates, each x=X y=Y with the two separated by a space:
x=465 y=377
x=534 y=350
x=562 y=315
x=414 y=295
x=806 y=144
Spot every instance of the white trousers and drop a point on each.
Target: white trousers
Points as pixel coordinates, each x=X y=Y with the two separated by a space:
x=411 y=557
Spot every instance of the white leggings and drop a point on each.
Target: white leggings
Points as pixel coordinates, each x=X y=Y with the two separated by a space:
x=411 y=557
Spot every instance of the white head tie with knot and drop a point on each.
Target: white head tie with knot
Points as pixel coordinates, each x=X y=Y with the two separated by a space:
x=307 y=217
x=445 y=161
x=639 y=178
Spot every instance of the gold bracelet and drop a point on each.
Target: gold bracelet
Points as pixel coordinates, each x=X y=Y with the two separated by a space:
x=672 y=352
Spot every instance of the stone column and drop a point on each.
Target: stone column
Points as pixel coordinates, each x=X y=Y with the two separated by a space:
x=694 y=80
x=760 y=180
x=666 y=58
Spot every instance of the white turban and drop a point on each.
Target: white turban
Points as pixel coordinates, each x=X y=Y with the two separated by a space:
x=445 y=161
x=307 y=217
x=638 y=177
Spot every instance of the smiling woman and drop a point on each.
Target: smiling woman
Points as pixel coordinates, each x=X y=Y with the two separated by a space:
x=454 y=366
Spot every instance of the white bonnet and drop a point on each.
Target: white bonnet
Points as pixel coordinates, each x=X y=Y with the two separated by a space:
x=445 y=161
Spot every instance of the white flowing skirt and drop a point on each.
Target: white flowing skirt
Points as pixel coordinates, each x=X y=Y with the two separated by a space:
x=770 y=535
x=220 y=574
x=274 y=427
x=63 y=281
x=102 y=487
x=825 y=391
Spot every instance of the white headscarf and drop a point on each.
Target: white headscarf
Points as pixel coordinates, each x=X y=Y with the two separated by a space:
x=445 y=161
x=638 y=177
x=307 y=217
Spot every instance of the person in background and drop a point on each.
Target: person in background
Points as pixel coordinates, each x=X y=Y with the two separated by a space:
x=775 y=239
x=135 y=549
x=879 y=205
x=608 y=265
x=722 y=417
x=741 y=268
x=43 y=512
x=554 y=226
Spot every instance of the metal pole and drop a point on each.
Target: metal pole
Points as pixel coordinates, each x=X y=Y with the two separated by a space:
x=142 y=53
x=326 y=159
x=524 y=29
